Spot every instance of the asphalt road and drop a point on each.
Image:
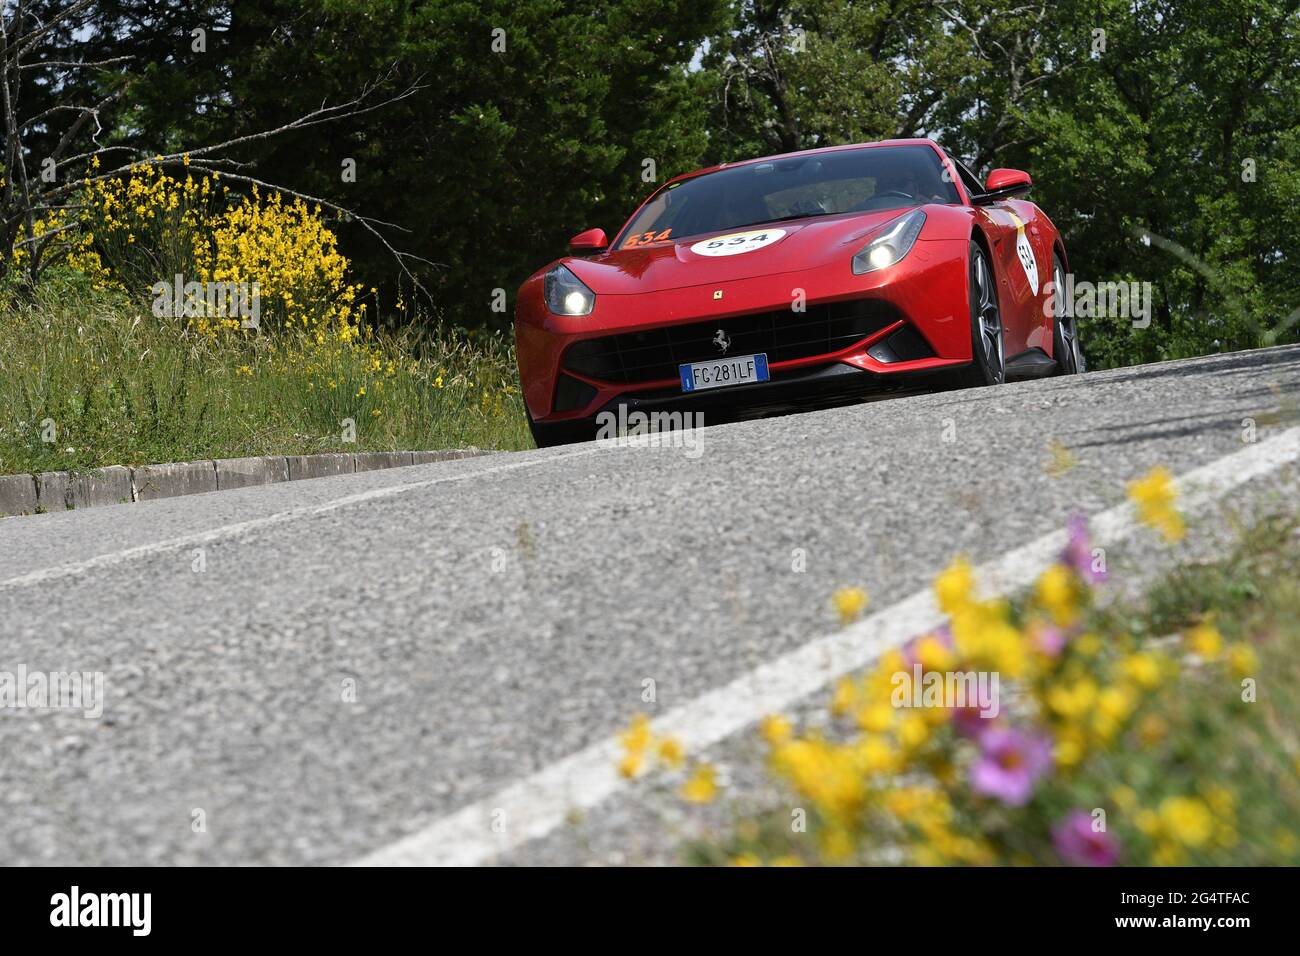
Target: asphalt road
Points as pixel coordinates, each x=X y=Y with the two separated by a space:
x=325 y=667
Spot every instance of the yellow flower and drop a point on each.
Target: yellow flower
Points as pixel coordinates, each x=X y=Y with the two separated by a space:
x=1285 y=841
x=243 y=370
x=638 y=736
x=1221 y=800
x=747 y=859
x=1114 y=705
x=1125 y=797
x=702 y=786
x=1117 y=702
x=671 y=751
x=1154 y=495
x=844 y=697
x=1057 y=592
x=955 y=586
x=776 y=729
x=1187 y=820
x=1062 y=459
x=875 y=755
x=1205 y=641
x=1143 y=669
x=1088 y=644
x=1152 y=730
x=934 y=654
x=1072 y=701
x=1071 y=747
x=913 y=731
x=1242 y=660
x=631 y=764
x=849 y=602
x=876 y=717
x=836 y=844
x=1168 y=854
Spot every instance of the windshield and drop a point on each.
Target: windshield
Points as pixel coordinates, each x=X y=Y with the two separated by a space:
x=820 y=184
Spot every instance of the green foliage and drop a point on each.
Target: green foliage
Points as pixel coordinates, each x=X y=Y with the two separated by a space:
x=119 y=386
x=1174 y=119
x=1180 y=118
x=1184 y=126
x=533 y=122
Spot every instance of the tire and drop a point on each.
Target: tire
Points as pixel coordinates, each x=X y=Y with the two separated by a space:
x=1065 y=328
x=559 y=433
x=988 y=362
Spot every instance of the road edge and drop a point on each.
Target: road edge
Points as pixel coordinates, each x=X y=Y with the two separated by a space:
x=50 y=491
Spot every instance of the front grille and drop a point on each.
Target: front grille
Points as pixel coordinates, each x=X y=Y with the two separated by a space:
x=784 y=335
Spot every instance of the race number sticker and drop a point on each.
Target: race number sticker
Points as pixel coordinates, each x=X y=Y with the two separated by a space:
x=1025 y=252
x=737 y=242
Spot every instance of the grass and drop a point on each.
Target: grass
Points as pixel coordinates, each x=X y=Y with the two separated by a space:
x=1196 y=735
x=90 y=378
x=1253 y=596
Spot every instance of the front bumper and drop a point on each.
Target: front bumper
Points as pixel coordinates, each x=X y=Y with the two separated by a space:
x=856 y=337
x=816 y=387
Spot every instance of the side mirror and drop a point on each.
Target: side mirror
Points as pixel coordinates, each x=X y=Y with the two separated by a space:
x=1003 y=184
x=593 y=240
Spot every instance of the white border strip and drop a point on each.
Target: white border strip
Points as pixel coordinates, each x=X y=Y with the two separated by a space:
x=538 y=804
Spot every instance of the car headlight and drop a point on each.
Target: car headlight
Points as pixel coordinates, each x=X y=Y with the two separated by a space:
x=566 y=294
x=891 y=245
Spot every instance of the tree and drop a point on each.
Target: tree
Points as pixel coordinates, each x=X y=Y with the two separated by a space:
x=1171 y=156
x=77 y=127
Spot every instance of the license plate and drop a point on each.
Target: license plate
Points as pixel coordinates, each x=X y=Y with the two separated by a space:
x=719 y=373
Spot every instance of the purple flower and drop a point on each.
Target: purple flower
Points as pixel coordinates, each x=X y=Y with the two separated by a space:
x=1050 y=640
x=1080 y=845
x=1009 y=764
x=968 y=722
x=1078 y=551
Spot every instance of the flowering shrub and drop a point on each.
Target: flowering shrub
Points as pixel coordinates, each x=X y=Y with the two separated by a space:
x=127 y=383
x=293 y=256
x=79 y=253
x=1078 y=764
x=149 y=226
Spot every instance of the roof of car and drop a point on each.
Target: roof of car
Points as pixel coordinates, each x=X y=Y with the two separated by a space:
x=806 y=152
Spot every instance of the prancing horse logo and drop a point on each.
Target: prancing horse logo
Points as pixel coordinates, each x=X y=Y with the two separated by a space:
x=721 y=341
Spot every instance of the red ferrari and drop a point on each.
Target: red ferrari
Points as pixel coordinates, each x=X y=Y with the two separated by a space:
x=805 y=279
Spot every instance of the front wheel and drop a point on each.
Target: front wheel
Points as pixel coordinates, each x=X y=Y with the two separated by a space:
x=988 y=362
x=1065 y=327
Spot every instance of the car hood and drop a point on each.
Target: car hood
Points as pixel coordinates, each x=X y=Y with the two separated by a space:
x=804 y=244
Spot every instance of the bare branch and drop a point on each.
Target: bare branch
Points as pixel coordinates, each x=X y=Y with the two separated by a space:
x=75 y=64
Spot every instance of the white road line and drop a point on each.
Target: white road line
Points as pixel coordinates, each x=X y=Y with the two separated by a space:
x=538 y=804
x=305 y=511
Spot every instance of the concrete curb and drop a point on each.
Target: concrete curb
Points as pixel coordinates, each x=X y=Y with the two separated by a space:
x=17 y=494
x=63 y=490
